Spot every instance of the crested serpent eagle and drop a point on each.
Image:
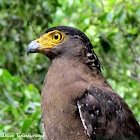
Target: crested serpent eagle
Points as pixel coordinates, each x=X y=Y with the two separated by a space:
x=77 y=102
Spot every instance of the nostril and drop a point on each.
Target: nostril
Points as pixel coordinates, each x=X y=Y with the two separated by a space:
x=37 y=41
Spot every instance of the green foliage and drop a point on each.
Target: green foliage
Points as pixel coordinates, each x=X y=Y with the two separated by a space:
x=19 y=105
x=112 y=26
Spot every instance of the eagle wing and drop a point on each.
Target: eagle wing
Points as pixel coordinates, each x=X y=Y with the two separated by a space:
x=103 y=116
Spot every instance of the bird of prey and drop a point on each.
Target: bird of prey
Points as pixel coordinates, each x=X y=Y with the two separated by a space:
x=77 y=102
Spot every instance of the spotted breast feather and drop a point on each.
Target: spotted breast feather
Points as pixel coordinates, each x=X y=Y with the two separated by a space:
x=103 y=116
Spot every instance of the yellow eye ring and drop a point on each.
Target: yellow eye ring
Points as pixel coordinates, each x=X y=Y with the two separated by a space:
x=57 y=37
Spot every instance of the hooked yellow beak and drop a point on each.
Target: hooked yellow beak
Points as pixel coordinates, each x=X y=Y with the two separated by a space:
x=46 y=41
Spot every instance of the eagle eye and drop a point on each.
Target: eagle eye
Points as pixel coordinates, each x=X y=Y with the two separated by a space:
x=57 y=37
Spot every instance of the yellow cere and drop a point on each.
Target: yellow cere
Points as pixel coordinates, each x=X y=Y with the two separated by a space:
x=51 y=39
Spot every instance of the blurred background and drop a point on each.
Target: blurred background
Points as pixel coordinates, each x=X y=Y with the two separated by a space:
x=113 y=28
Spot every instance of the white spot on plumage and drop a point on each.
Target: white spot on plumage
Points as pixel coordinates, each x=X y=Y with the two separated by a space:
x=82 y=119
x=78 y=133
x=92 y=115
x=93 y=65
x=94 y=56
x=85 y=132
x=97 y=112
x=71 y=132
x=89 y=54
